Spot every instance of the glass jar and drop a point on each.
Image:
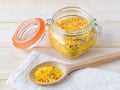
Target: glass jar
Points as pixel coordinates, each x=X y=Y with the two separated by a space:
x=68 y=43
x=77 y=42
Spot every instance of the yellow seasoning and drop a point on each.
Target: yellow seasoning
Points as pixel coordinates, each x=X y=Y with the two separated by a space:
x=72 y=23
x=45 y=74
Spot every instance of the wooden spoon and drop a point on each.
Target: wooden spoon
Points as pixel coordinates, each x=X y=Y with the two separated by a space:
x=67 y=68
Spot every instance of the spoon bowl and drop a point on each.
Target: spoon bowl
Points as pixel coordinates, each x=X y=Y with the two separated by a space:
x=61 y=66
x=67 y=68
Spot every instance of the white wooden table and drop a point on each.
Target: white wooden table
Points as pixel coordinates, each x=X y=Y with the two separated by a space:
x=13 y=12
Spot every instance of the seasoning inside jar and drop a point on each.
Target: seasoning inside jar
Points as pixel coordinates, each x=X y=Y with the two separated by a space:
x=72 y=45
x=72 y=23
x=46 y=74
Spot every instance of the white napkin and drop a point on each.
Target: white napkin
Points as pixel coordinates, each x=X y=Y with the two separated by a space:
x=85 y=79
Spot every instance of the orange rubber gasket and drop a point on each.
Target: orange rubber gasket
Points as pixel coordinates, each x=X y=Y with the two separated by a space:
x=34 y=39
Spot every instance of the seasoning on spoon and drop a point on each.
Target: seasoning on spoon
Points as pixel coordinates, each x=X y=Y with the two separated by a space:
x=45 y=74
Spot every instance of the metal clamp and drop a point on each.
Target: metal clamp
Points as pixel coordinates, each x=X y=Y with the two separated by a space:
x=98 y=28
x=49 y=21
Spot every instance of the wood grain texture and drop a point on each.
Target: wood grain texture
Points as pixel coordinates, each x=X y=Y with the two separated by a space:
x=4 y=86
x=13 y=12
x=18 y=10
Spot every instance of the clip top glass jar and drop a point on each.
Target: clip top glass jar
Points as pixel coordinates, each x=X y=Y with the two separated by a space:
x=72 y=32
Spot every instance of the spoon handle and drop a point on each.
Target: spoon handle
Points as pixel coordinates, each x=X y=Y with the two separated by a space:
x=94 y=61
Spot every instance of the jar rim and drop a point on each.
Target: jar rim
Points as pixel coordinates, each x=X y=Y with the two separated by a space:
x=76 y=32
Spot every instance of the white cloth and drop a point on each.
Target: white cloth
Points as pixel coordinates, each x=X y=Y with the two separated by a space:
x=85 y=79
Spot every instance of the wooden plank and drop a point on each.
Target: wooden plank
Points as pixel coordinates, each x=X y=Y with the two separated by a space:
x=110 y=35
x=17 y=11
x=5 y=86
